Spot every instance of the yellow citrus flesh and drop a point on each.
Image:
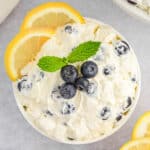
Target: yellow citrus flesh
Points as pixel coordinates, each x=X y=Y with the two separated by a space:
x=139 y=144
x=23 y=49
x=51 y=15
x=142 y=127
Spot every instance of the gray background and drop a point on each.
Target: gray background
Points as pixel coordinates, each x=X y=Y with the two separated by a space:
x=16 y=133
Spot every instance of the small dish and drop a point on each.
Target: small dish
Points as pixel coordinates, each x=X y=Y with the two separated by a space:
x=132 y=10
x=97 y=138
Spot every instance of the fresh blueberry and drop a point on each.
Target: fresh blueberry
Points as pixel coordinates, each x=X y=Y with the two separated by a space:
x=70 y=138
x=127 y=103
x=69 y=73
x=49 y=113
x=92 y=87
x=65 y=124
x=82 y=84
x=25 y=107
x=24 y=84
x=133 y=2
x=67 y=109
x=119 y=117
x=122 y=48
x=105 y=113
x=133 y=79
x=55 y=94
x=107 y=70
x=67 y=90
x=68 y=29
x=38 y=76
x=89 y=69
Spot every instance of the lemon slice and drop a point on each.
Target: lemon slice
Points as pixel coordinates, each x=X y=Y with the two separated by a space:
x=23 y=49
x=139 y=144
x=142 y=127
x=51 y=15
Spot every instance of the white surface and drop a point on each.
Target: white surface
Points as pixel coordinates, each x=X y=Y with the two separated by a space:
x=16 y=133
x=6 y=6
x=132 y=10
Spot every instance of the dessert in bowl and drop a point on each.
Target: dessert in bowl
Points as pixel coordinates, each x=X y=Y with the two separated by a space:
x=139 y=8
x=82 y=85
x=143 y=5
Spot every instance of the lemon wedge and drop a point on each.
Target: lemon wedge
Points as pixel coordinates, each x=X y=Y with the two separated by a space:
x=23 y=49
x=51 y=15
x=139 y=144
x=142 y=127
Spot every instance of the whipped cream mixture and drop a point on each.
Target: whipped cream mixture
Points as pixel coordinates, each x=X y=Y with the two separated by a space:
x=88 y=115
x=142 y=4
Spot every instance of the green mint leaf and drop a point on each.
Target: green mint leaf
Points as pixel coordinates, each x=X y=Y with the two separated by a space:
x=51 y=63
x=83 y=51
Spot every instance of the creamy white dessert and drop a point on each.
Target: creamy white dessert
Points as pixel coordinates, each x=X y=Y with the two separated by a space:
x=144 y=5
x=90 y=114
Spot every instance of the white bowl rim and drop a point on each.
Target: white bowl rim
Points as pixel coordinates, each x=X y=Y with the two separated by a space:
x=101 y=137
x=133 y=11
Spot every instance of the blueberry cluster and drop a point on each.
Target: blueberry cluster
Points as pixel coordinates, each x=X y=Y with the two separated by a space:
x=73 y=81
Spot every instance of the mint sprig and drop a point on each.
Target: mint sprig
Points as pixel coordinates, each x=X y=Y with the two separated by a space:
x=79 y=53
x=51 y=63
x=83 y=51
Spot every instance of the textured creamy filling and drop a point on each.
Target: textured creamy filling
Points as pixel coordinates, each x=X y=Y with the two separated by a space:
x=93 y=115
